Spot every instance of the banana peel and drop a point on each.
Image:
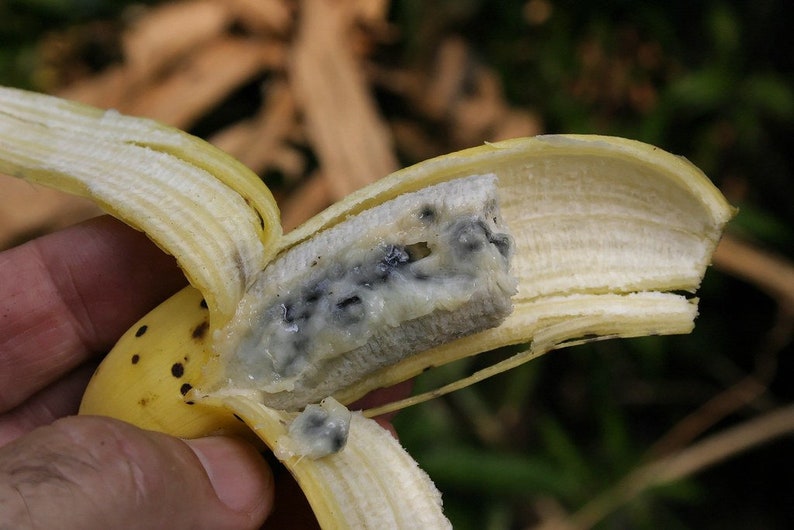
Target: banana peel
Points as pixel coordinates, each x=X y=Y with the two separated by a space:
x=612 y=238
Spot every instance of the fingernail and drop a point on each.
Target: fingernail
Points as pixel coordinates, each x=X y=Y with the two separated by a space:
x=241 y=478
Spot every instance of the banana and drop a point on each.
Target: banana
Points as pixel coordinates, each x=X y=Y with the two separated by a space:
x=542 y=242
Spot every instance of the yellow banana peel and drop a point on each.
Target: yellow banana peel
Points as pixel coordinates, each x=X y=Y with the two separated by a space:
x=601 y=236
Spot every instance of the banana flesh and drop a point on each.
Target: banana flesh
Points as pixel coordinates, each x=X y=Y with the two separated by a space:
x=319 y=430
x=415 y=272
x=605 y=236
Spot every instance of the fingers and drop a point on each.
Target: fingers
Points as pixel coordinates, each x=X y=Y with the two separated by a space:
x=71 y=294
x=57 y=400
x=90 y=473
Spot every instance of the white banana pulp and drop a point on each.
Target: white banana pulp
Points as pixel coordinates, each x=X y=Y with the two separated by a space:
x=414 y=272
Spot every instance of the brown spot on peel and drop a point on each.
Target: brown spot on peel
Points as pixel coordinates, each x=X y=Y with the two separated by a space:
x=201 y=330
x=177 y=370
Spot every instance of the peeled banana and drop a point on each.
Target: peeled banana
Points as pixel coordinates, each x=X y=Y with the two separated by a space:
x=537 y=241
x=408 y=274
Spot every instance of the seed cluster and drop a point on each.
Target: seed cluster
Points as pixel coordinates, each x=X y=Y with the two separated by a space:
x=400 y=278
x=337 y=300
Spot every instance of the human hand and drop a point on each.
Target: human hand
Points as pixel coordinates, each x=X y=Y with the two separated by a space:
x=64 y=300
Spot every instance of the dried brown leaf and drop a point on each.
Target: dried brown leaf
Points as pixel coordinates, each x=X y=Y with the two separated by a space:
x=169 y=32
x=262 y=16
x=204 y=79
x=256 y=142
x=770 y=273
x=445 y=85
x=342 y=121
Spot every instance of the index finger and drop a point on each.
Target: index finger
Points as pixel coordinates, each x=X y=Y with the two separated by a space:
x=69 y=295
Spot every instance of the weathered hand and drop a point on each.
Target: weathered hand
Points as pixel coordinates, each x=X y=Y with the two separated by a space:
x=64 y=300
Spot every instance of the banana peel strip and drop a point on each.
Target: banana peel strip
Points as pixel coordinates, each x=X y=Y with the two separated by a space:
x=201 y=205
x=373 y=483
x=552 y=324
x=521 y=157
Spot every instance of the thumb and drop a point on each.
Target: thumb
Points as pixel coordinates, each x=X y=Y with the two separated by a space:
x=89 y=473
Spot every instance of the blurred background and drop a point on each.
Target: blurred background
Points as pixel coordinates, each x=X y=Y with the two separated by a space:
x=321 y=97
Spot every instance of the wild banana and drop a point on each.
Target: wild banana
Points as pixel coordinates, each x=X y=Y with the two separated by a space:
x=537 y=241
